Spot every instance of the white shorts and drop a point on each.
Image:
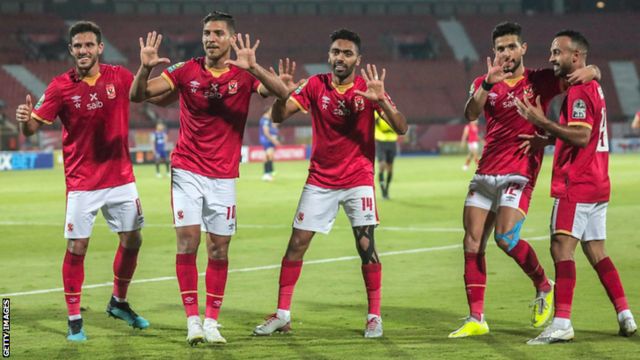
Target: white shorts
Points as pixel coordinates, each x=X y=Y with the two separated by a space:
x=492 y=191
x=583 y=221
x=473 y=146
x=120 y=206
x=318 y=207
x=204 y=201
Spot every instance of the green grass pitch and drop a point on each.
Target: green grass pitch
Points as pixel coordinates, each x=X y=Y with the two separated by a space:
x=423 y=293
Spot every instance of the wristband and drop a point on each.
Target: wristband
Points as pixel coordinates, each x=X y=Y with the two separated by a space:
x=485 y=85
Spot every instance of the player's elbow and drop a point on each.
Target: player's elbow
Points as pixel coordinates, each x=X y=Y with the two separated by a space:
x=402 y=129
x=135 y=98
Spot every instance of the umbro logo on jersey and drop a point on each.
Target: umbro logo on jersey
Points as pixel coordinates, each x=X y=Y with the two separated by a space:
x=194 y=86
x=325 y=102
x=77 y=99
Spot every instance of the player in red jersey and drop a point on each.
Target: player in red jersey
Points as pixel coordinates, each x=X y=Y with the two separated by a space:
x=342 y=107
x=580 y=185
x=500 y=191
x=471 y=136
x=214 y=96
x=92 y=102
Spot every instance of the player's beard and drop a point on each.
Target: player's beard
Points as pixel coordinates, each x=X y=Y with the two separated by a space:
x=342 y=74
x=561 y=70
x=216 y=54
x=87 y=66
x=516 y=65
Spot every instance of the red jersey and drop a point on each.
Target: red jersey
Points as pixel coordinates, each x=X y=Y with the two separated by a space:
x=213 y=113
x=95 y=133
x=472 y=132
x=343 y=146
x=582 y=174
x=500 y=155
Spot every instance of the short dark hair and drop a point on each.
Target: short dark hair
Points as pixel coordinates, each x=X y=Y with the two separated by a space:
x=506 y=28
x=85 y=26
x=576 y=37
x=221 y=16
x=346 y=34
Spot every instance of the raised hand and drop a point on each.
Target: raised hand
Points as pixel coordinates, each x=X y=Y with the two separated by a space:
x=286 y=69
x=375 y=83
x=532 y=112
x=23 y=113
x=495 y=71
x=245 y=54
x=149 y=51
x=581 y=76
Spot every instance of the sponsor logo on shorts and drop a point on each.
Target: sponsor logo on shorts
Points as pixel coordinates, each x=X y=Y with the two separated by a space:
x=300 y=216
x=368 y=217
x=69 y=227
x=180 y=214
x=231 y=226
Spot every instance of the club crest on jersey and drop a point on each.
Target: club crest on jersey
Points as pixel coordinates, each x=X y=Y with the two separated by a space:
x=173 y=67
x=579 y=110
x=111 y=91
x=39 y=103
x=233 y=87
x=527 y=92
x=359 y=103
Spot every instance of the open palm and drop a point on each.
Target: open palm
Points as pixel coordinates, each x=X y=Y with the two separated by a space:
x=375 y=83
x=245 y=54
x=149 y=51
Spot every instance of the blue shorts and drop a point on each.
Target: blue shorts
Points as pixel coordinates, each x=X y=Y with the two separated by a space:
x=267 y=144
x=161 y=154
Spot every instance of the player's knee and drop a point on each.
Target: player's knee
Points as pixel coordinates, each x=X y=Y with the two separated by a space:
x=509 y=239
x=78 y=246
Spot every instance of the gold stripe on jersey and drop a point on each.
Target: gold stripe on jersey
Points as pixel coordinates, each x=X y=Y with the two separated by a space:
x=514 y=81
x=168 y=79
x=579 y=123
x=299 y=105
x=217 y=73
x=35 y=116
x=91 y=80
x=341 y=89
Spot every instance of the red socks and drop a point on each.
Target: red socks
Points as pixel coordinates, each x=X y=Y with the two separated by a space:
x=124 y=265
x=289 y=274
x=565 y=284
x=526 y=257
x=372 y=274
x=187 y=273
x=72 y=279
x=611 y=281
x=475 y=280
x=215 y=279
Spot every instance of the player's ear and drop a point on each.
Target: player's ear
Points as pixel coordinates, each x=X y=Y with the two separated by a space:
x=358 y=59
x=70 y=49
x=524 y=48
x=100 y=48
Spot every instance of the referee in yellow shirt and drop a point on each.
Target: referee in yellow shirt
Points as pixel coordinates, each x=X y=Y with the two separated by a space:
x=386 y=149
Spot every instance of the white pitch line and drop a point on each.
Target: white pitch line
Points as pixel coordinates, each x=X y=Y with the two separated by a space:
x=251 y=269
x=258 y=268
